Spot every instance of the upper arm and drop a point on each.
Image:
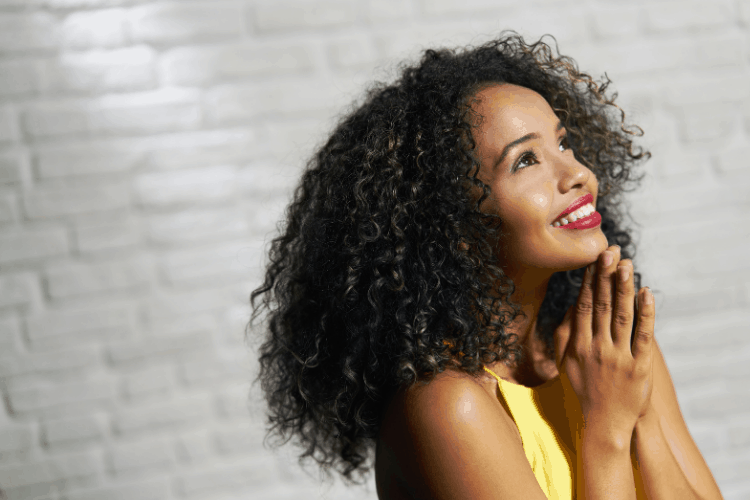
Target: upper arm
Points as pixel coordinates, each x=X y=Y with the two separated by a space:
x=461 y=446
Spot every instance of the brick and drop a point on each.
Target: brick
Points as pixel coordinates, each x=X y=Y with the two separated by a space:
x=48 y=366
x=197 y=225
x=744 y=13
x=238 y=439
x=85 y=4
x=18 y=475
x=220 y=264
x=352 y=53
x=8 y=126
x=57 y=399
x=159 y=349
x=733 y=160
x=178 y=22
x=452 y=7
x=98 y=28
x=709 y=122
x=100 y=237
x=291 y=143
x=567 y=23
x=204 y=149
x=57 y=201
x=161 y=189
x=267 y=180
x=194 y=447
x=20 y=77
x=74 y=279
x=258 y=472
x=157 y=381
x=21 y=32
x=232 y=403
x=154 y=455
x=615 y=21
x=154 y=418
x=280 y=16
x=8 y=208
x=69 y=327
x=99 y=71
x=197 y=374
x=13 y=164
x=14 y=441
x=10 y=334
x=97 y=157
x=686 y=16
x=660 y=56
x=229 y=103
x=205 y=65
x=144 y=112
x=679 y=164
x=683 y=333
x=18 y=290
x=79 y=431
x=390 y=11
x=31 y=244
x=725 y=88
x=153 y=489
x=37 y=491
x=175 y=303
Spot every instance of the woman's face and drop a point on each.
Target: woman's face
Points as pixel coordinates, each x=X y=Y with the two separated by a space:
x=534 y=177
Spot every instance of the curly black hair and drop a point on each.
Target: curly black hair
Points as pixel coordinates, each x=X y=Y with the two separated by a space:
x=384 y=273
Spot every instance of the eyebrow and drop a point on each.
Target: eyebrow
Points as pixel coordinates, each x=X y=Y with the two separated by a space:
x=518 y=141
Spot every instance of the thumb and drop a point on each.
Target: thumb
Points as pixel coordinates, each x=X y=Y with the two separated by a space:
x=562 y=336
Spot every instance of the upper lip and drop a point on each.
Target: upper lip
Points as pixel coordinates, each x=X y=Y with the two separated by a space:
x=583 y=200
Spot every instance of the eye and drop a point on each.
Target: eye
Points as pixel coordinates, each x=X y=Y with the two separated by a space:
x=564 y=145
x=527 y=159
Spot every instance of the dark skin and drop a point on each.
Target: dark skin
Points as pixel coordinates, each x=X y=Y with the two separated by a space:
x=613 y=405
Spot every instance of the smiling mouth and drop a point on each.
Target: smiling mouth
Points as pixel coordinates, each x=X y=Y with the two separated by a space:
x=583 y=218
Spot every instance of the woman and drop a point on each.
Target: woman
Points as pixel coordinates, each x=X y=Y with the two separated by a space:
x=453 y=290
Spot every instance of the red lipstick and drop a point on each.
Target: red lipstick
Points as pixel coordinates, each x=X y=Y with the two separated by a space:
x=588 y=198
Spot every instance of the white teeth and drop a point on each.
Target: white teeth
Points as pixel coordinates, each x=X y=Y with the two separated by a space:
x=582 y=212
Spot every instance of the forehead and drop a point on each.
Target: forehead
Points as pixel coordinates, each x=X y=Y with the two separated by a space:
x=512 y=110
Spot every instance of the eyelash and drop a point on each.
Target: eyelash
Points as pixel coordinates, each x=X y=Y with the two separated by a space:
x=530 y=154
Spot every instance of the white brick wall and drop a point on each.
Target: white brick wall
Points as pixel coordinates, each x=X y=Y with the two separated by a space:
x=147 y=149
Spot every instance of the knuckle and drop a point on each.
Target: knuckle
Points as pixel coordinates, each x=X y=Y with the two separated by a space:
x=643 y=335
x=584 y=308
x=603 y=306
x=623 y=318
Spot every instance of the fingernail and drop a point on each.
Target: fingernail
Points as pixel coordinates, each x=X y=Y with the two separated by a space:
x=624 y=273
x=607 y=258
x=592 y=268
x=648 y=297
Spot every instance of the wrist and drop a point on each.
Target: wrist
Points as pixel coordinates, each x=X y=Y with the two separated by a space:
x=606 y=438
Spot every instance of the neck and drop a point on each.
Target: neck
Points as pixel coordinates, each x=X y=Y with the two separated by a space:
x=534 y=368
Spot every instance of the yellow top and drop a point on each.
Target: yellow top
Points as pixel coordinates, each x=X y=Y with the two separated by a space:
x=540 y=443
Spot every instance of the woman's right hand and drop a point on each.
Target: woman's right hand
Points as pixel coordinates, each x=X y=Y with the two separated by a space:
x=611 y=382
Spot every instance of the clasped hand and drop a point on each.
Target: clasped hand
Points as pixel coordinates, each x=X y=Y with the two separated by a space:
x=604 y=378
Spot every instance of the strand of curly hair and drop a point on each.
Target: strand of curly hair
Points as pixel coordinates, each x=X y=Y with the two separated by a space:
x=384 y=273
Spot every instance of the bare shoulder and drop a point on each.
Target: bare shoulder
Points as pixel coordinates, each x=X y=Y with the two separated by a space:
x=451 y=439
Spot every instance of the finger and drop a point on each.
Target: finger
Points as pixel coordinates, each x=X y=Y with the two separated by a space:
x=622 y=317
x=603 y=293
x=644 y=331
x=584 y=309
x=562 y=336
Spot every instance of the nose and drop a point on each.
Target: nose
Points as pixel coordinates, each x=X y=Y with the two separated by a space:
x=572 y=174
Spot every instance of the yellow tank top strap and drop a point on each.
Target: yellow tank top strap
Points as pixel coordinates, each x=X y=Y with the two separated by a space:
x=550 y=464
